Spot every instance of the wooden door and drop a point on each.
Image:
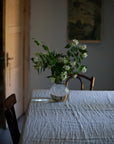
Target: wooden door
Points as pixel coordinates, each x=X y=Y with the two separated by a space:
x=14 y=48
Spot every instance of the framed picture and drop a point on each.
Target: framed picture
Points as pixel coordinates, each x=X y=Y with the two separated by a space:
x=84 y=20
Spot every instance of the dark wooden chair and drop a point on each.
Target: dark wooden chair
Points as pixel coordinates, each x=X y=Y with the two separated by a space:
x=80 y=77
x=11 y=118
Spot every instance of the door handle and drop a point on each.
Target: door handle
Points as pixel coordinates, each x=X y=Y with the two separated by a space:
x=9 y=58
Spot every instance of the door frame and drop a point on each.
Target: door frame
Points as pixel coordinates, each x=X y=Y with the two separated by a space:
x=26 y=53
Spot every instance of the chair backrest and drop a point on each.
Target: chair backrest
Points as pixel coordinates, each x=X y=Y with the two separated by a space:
x=11 y=118
x=80 y=77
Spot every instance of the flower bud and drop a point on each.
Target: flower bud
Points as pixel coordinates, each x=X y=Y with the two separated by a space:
x=84 y=69
x=84 y=55
x=75 y=42
x=52 y=79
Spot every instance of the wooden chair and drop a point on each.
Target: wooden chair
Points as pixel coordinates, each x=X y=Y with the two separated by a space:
x=80 y=76
x=11 y=118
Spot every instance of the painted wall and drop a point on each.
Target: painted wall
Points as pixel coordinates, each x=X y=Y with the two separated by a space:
x=48 y=23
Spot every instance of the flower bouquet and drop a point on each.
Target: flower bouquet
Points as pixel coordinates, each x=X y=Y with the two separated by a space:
x=61 y=65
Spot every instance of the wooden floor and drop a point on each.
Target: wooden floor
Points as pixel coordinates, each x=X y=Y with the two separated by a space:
x=5 y=137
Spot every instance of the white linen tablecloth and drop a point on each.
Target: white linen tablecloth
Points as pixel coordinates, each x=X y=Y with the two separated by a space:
x=87 y=117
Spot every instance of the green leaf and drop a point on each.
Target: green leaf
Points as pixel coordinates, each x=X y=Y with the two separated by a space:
x=81 y=57
x=73 y=49
x=45 y=48
x=49 y=76
x=69 y=54
x=79 y=60
x=32 y=59
x=77 y=65
x=37 y=41
x=83 y=51
x=68 y=45
x=81 y=67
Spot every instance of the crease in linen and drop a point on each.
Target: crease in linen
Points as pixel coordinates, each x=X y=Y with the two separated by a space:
x=84 y=118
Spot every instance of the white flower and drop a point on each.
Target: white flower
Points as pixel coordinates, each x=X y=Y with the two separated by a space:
x=75 y=76
x=66 y=67
x=64 y=75
x=84 y=55
x=36 y=59
x=84 y=69
x=83 y=47
x=75 y=42
x=73 y=63
x=52 y=79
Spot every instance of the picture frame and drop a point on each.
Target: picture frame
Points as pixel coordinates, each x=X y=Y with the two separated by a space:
x=85 y=20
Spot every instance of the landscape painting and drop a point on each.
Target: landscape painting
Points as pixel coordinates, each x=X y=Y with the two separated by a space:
x=84 y=20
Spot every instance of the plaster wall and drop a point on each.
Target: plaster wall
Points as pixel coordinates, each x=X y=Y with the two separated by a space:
x=48 y=23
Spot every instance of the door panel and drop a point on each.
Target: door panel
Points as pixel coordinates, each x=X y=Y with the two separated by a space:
x=14 y=22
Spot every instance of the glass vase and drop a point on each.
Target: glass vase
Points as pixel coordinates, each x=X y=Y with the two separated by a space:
x=59 y=92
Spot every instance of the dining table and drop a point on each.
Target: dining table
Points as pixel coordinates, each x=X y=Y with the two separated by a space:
x=86 y=117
